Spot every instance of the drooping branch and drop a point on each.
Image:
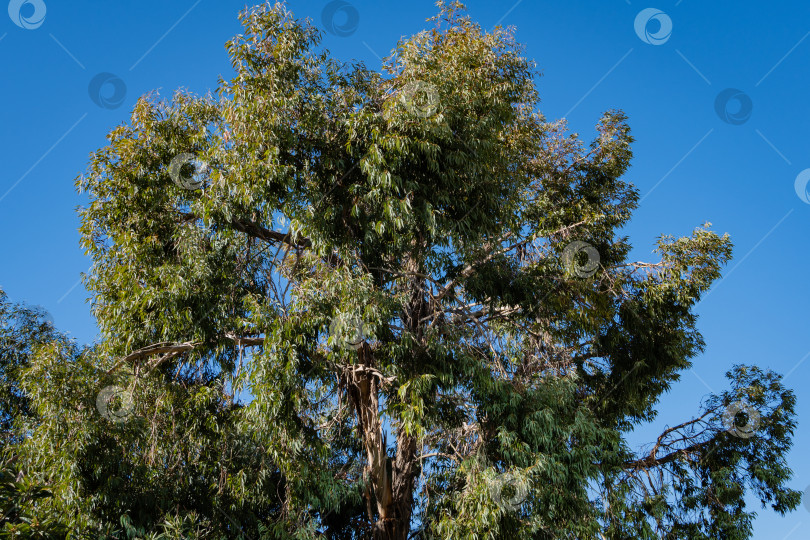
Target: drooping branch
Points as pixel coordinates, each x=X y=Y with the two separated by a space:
x=159 y=348
x=257 y=231
x=171 y=349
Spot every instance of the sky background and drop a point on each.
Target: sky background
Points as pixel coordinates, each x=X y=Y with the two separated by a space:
x=702 y=152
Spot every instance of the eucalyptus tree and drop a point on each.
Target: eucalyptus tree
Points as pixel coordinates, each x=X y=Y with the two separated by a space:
x=343 y=302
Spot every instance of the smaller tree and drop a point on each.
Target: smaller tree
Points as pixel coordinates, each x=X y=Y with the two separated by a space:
x=23 y=329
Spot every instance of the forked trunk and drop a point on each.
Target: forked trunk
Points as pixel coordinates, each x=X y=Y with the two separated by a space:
x=395 y=514
x=391 y=482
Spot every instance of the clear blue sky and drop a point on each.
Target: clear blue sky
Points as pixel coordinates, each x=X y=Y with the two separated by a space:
x=736 y=168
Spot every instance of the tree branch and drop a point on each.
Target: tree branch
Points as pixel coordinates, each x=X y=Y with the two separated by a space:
x=256 y=230
x=170 y=349
x=652 y=459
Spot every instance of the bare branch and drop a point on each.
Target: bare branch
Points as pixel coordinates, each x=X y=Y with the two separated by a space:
x=171 y=350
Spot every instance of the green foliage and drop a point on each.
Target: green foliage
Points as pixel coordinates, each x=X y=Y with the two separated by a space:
x=23 y=498
x=21 y=514
x=22 y=329
x=381 y=301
